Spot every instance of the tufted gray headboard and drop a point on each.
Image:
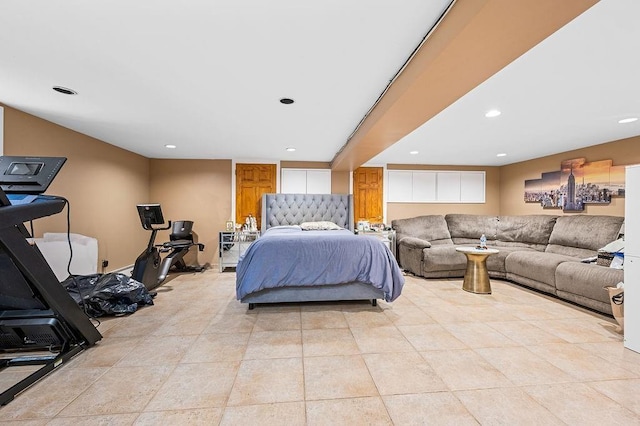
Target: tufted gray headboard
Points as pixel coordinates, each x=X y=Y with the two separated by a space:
x=294 y=209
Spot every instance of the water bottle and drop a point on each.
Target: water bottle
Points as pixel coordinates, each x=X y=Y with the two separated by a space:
x=483 y=242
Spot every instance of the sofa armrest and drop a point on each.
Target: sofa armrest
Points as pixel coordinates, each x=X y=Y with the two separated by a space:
x=416 y=243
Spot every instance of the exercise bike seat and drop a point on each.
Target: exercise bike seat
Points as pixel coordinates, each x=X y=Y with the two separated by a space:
x=181 y=237
x=180 y=241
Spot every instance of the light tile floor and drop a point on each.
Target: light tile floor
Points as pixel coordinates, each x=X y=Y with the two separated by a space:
x=437 y=355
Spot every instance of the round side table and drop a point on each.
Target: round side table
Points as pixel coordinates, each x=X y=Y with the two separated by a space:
x=476 y=277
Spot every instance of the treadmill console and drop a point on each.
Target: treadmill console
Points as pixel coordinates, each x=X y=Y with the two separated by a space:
x=28 y=175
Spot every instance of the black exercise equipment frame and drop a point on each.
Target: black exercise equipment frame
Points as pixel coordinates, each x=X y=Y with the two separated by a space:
x=76 y=332
x=150 y=268
x=147 y=266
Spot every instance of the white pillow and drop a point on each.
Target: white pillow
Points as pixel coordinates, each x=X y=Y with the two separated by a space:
x=319 y=226
x=614 y=246
x=284 y=228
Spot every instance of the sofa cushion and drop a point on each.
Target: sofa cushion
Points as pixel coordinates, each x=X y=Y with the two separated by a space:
x=574 y=252
x=495 y=262
x=535 y=265
x=587 y=280
x=443 y=258
x=531 y=231
x=432 y=228
x=581 y=236
x=468 y=228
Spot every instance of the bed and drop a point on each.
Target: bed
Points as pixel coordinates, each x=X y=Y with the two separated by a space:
x=291 y=264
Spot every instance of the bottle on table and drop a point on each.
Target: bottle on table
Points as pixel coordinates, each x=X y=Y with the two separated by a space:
x=483 y=242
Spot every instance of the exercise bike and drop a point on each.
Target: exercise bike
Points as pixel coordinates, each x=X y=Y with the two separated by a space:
x=150 y=268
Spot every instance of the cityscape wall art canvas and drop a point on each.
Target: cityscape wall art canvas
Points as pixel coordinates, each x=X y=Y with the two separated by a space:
x=577 y=183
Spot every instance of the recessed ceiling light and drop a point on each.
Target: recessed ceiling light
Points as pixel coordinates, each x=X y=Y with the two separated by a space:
x=413 y=152
x=492 y=113
x=502 y=154
x=64 y=90
x=286 y=101
x=291 y=149
x=170 y=146
x=628 y=120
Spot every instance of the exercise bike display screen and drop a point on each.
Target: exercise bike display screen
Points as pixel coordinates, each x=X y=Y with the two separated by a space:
x=150 y=214
x=24 y=169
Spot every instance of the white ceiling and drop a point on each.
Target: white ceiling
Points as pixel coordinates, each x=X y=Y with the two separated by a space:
x=568 y=92
x=207 y=76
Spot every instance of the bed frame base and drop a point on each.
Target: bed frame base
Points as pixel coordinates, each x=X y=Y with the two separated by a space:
x=325 y=293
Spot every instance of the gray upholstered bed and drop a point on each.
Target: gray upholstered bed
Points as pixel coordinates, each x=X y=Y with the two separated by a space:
x=287 y=210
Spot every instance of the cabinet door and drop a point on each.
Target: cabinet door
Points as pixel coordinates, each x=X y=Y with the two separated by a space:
x=400 y=184
x=424 y=186
x=472 y=187
x=632 y=207
x=293 y=181
x=632 y=260
x=318 y=181
x=448 y=186
x=631 y=299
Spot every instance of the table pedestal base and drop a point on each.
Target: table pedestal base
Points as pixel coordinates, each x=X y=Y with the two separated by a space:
x=476 y=277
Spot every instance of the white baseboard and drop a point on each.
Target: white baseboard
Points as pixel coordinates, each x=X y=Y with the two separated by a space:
x=124 y=270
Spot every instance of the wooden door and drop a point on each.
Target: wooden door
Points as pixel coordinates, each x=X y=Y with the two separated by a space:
x=367 y=194
x=253 y=180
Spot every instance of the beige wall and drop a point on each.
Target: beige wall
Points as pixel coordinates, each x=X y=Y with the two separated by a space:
x=340 y=182
x=197 y=190
x=103 y=184
x=622 y=152
x=305 y=165
x=490 y=206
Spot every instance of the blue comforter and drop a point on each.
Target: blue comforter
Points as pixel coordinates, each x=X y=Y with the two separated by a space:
x=286 y=256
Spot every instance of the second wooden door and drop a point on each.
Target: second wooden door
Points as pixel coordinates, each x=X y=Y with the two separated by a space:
x=367 y=194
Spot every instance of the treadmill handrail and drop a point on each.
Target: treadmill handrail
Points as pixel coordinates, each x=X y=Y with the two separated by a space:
x=16 y=215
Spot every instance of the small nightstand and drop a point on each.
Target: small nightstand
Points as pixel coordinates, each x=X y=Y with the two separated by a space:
x=232 y=245
x=386 y=237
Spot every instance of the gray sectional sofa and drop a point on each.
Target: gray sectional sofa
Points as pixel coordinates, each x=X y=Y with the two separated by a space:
x=543 y=252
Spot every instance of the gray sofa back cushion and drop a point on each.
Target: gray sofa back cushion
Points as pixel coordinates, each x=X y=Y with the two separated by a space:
x=531 y=231
x=582 y=235
x=432 y=228
x=467 y=228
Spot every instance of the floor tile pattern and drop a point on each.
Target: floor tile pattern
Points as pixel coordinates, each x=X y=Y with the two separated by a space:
x=437 y=355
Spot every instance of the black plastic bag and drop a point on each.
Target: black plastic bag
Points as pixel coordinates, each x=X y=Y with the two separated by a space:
x=107 y=294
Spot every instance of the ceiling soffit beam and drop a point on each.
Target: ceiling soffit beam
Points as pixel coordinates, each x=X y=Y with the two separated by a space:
x=476 y=39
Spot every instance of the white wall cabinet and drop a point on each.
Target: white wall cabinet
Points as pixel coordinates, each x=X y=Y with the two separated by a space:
x=472 y=187
x=632 y=259
x=305 y=181
x=1 y=130
x=423 y=186
x=448 y=187
x=399 y=185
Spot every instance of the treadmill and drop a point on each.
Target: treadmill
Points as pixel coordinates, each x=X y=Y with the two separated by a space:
x=40 y=323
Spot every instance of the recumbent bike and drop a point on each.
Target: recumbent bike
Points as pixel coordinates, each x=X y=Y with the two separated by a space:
x=150 y=268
